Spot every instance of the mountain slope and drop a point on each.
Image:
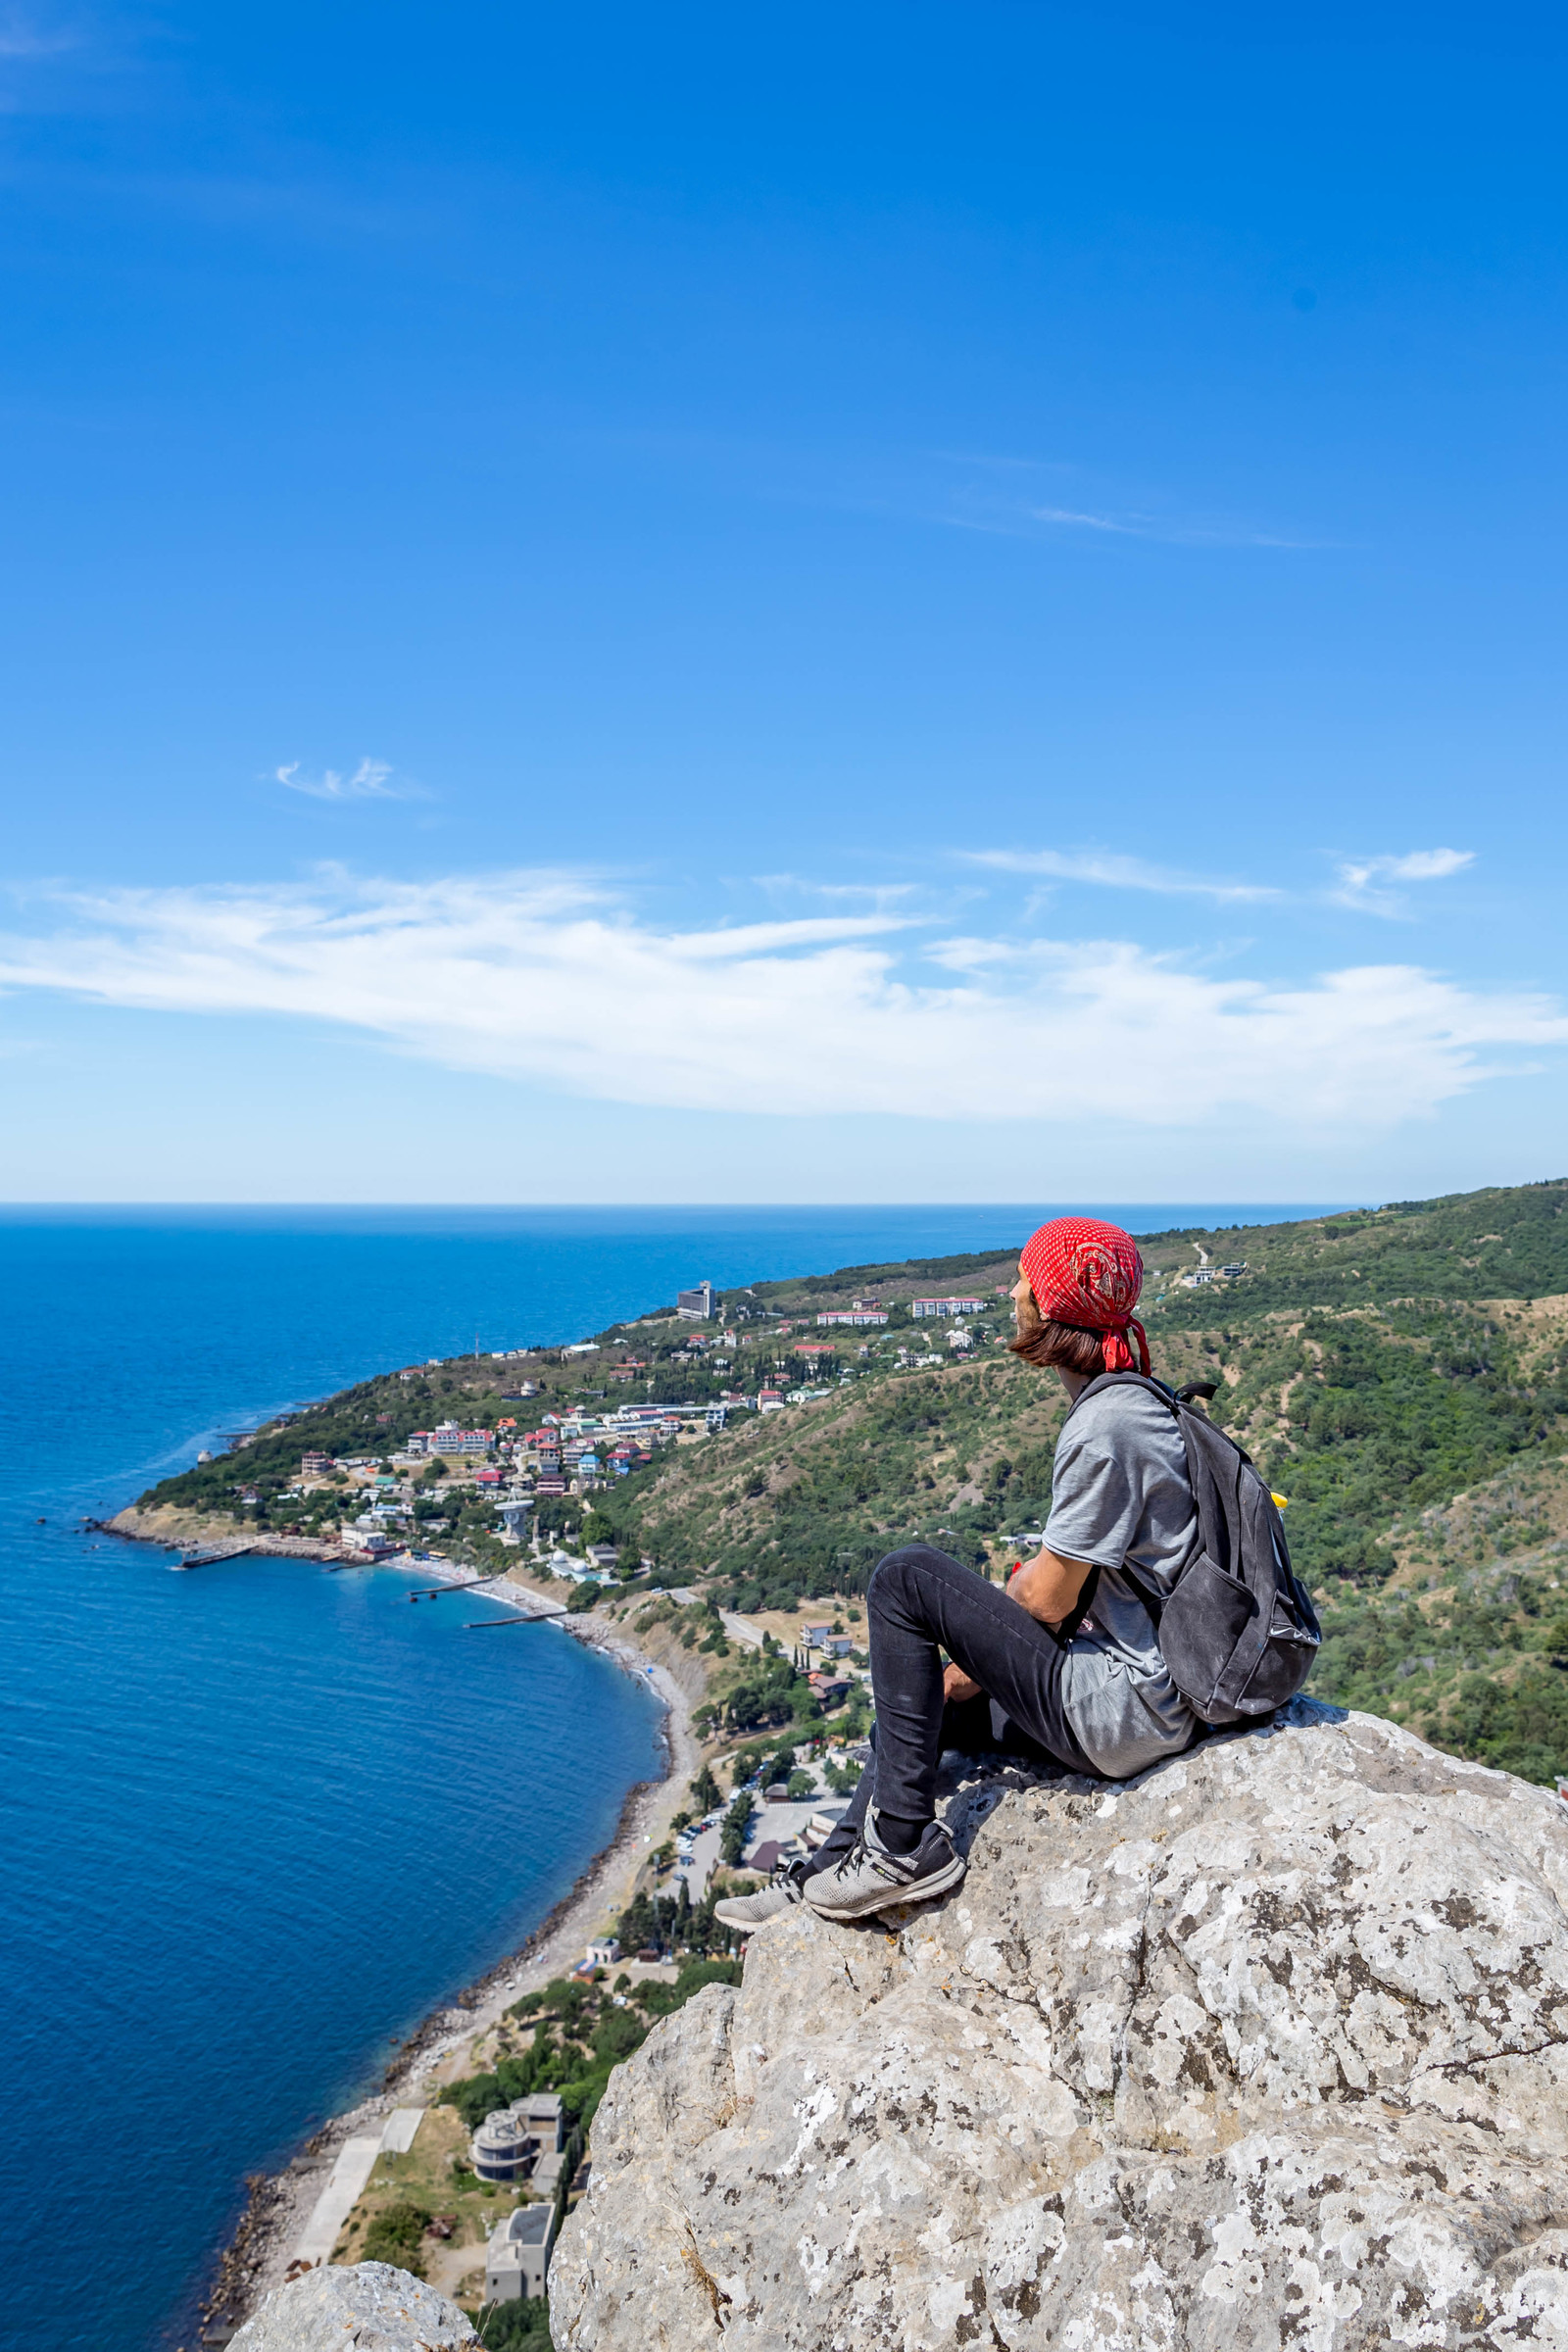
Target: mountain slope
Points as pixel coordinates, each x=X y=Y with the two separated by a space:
x=1401 y=1375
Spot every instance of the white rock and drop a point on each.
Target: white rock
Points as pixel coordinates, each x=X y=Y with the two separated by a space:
x=1272 y=2050
x=371 y=2307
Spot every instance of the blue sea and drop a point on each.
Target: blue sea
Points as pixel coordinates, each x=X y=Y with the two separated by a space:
x=260 y=1819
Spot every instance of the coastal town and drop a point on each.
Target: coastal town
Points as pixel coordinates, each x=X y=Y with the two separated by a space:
x=580 y=1421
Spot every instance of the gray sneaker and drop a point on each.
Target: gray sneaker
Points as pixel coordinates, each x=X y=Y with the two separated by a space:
x=783 y=1890
x=869 y=1879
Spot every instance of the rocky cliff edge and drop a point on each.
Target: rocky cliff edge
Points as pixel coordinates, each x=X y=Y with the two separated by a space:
x=1267 y=2047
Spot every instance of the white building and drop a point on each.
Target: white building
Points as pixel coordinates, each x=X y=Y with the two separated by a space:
x=370 y=1534
x=517 y=2256
x=510 y=2140
x=449 y=1439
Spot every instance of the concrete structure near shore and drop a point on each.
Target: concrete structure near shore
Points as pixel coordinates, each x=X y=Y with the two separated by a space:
x=347 y=2181
x=355 y=2161
x=510 y=2140
x=517 y=2256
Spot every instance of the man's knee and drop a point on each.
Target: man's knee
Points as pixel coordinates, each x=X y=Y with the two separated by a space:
x=900 y=1572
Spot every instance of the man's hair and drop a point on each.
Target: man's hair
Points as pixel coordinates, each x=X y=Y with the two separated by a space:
x=1049 y=1345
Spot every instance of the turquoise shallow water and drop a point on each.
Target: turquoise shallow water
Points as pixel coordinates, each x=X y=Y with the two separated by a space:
x=257 y=1820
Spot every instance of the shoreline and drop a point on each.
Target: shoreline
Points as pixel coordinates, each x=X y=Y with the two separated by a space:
x=279 y=2202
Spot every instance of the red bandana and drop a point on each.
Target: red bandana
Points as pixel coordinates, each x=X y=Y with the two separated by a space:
x=1088 y=1275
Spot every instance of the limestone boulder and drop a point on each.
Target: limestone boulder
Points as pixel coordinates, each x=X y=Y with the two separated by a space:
x=1267 y=2047
x=371 y=2307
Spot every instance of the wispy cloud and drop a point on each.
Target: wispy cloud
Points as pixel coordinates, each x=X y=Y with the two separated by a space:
x=548 y=977
x=875 y=894
x=22 y=37
x=1363 y=882
x=1087 y=523
x=1003 y=494
x=372 y=780
x=1107 y=870
x=1173 y=530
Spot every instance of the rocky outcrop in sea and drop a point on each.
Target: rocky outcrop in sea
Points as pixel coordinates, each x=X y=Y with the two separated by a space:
x=1269 y=2047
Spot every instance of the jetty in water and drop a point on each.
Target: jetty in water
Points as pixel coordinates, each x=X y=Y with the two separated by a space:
x=206 y=1553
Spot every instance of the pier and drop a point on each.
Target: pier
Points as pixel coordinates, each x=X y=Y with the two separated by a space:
x=206 y=1553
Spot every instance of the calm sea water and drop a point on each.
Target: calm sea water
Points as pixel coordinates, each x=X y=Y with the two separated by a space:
x=257 y=1819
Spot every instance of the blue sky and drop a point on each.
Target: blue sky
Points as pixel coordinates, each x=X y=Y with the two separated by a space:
x=895 y=603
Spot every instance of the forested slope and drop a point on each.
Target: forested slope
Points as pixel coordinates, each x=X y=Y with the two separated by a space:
x=1401 y=1375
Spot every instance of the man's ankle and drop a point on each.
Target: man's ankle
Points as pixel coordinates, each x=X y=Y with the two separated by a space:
x=897 y=1834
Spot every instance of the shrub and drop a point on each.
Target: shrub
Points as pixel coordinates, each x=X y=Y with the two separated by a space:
x=396 y=2234
x=736 y=1829
x=523 y=2326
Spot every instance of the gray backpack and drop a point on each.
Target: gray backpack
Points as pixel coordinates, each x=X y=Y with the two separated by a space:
x=1237 y=1631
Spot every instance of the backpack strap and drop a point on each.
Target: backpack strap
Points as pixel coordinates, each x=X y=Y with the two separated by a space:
x=1180 y=1407
x=1178 y=1401
x=1161 y=1388
x=1081 y=1607
x=1152 y=1603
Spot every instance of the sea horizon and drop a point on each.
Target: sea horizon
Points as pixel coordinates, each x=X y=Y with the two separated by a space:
x=1255 y=1211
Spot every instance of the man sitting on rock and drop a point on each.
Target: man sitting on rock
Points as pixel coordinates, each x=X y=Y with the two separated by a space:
x=1055 y=1670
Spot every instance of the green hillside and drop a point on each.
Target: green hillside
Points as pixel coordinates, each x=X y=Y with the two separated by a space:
x=1402 y=1375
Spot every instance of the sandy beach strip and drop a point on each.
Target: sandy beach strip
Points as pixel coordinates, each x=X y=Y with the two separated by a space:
x=439 y=2050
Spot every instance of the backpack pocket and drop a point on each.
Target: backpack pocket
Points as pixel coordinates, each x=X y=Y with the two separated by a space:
x=1201 y=1626
x=1284 y=1665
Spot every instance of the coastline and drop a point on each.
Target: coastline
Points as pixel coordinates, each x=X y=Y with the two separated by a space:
x=171 y=1530
x=280 y=2203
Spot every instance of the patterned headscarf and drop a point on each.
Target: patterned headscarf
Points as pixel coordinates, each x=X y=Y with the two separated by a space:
x=1088 y=1274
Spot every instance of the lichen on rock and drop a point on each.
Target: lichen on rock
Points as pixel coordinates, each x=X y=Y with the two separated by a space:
x=1266 y=2047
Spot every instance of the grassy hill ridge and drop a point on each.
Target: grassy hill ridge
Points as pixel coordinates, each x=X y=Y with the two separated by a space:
x=1402 y=1374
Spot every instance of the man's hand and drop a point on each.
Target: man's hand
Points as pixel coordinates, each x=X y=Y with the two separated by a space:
x=1048 y=1587
x=957 y=1684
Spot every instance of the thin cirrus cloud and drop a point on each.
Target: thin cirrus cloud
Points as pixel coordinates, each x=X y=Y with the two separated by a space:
x=1110 y=870
x=1089 y=523
x=372 y=780
x=1363 y=882
x=20 y=37
x=1172 y=533
x=980 y=490
x=548 y=978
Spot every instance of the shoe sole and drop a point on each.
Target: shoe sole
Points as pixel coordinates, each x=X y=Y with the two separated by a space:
x=921 y=1891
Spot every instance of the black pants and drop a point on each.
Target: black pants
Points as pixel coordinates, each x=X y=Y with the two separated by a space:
x=919 y=1602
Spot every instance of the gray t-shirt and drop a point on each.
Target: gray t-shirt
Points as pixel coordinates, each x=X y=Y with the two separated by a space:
x=1120 y=1495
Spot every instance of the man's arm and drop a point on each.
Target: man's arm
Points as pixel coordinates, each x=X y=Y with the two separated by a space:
x=1048 y=1587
